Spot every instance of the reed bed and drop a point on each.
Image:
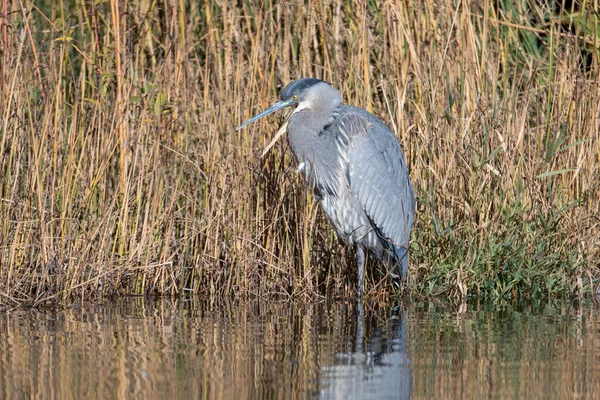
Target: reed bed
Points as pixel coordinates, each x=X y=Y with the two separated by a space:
x=122 y=172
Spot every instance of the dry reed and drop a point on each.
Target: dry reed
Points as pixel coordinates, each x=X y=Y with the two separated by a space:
x=122 y=172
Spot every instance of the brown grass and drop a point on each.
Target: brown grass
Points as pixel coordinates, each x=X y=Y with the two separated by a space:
x=122 y=171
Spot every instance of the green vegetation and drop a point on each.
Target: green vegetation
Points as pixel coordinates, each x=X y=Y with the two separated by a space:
x=121 y=171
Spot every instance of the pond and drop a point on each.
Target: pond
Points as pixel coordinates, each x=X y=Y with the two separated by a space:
x=167 y=349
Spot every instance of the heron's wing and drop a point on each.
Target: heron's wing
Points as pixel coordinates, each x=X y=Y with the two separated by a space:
x=378 y=176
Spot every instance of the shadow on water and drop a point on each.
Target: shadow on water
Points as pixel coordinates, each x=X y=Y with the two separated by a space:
x=136 y=348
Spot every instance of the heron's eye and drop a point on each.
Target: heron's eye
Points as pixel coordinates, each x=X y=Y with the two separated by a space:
x=295 y=97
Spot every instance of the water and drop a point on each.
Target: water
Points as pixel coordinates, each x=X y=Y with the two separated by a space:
x=167 y=349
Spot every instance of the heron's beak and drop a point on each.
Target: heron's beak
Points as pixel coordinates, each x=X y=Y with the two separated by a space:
x=275 y=107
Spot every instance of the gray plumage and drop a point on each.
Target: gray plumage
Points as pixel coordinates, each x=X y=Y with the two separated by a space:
x=356 y=168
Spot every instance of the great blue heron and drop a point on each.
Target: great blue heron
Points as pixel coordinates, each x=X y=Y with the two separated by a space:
x=356 y=168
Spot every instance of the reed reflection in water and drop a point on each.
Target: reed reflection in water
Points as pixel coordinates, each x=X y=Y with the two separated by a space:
x=136 y=348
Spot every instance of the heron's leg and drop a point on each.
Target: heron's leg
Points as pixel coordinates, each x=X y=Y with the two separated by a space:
x=360 y=263
x=404 y=270
x=402 y=256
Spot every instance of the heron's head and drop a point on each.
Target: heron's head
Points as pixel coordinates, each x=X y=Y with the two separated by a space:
x=305 y=93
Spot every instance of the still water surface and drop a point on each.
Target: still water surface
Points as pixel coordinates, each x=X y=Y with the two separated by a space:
x=136 y=348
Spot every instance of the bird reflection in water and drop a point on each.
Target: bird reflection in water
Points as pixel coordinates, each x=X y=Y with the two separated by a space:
x=378 y=368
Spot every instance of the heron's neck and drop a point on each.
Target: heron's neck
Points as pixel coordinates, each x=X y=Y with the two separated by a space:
x=309 y=122
x=307 y=135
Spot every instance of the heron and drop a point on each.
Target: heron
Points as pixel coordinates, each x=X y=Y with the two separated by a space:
x=355 y=166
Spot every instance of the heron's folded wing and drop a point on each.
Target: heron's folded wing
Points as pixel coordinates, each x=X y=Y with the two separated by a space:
x=378 y=177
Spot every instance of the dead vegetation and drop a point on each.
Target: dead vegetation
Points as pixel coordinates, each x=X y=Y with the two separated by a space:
x=122 y=172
